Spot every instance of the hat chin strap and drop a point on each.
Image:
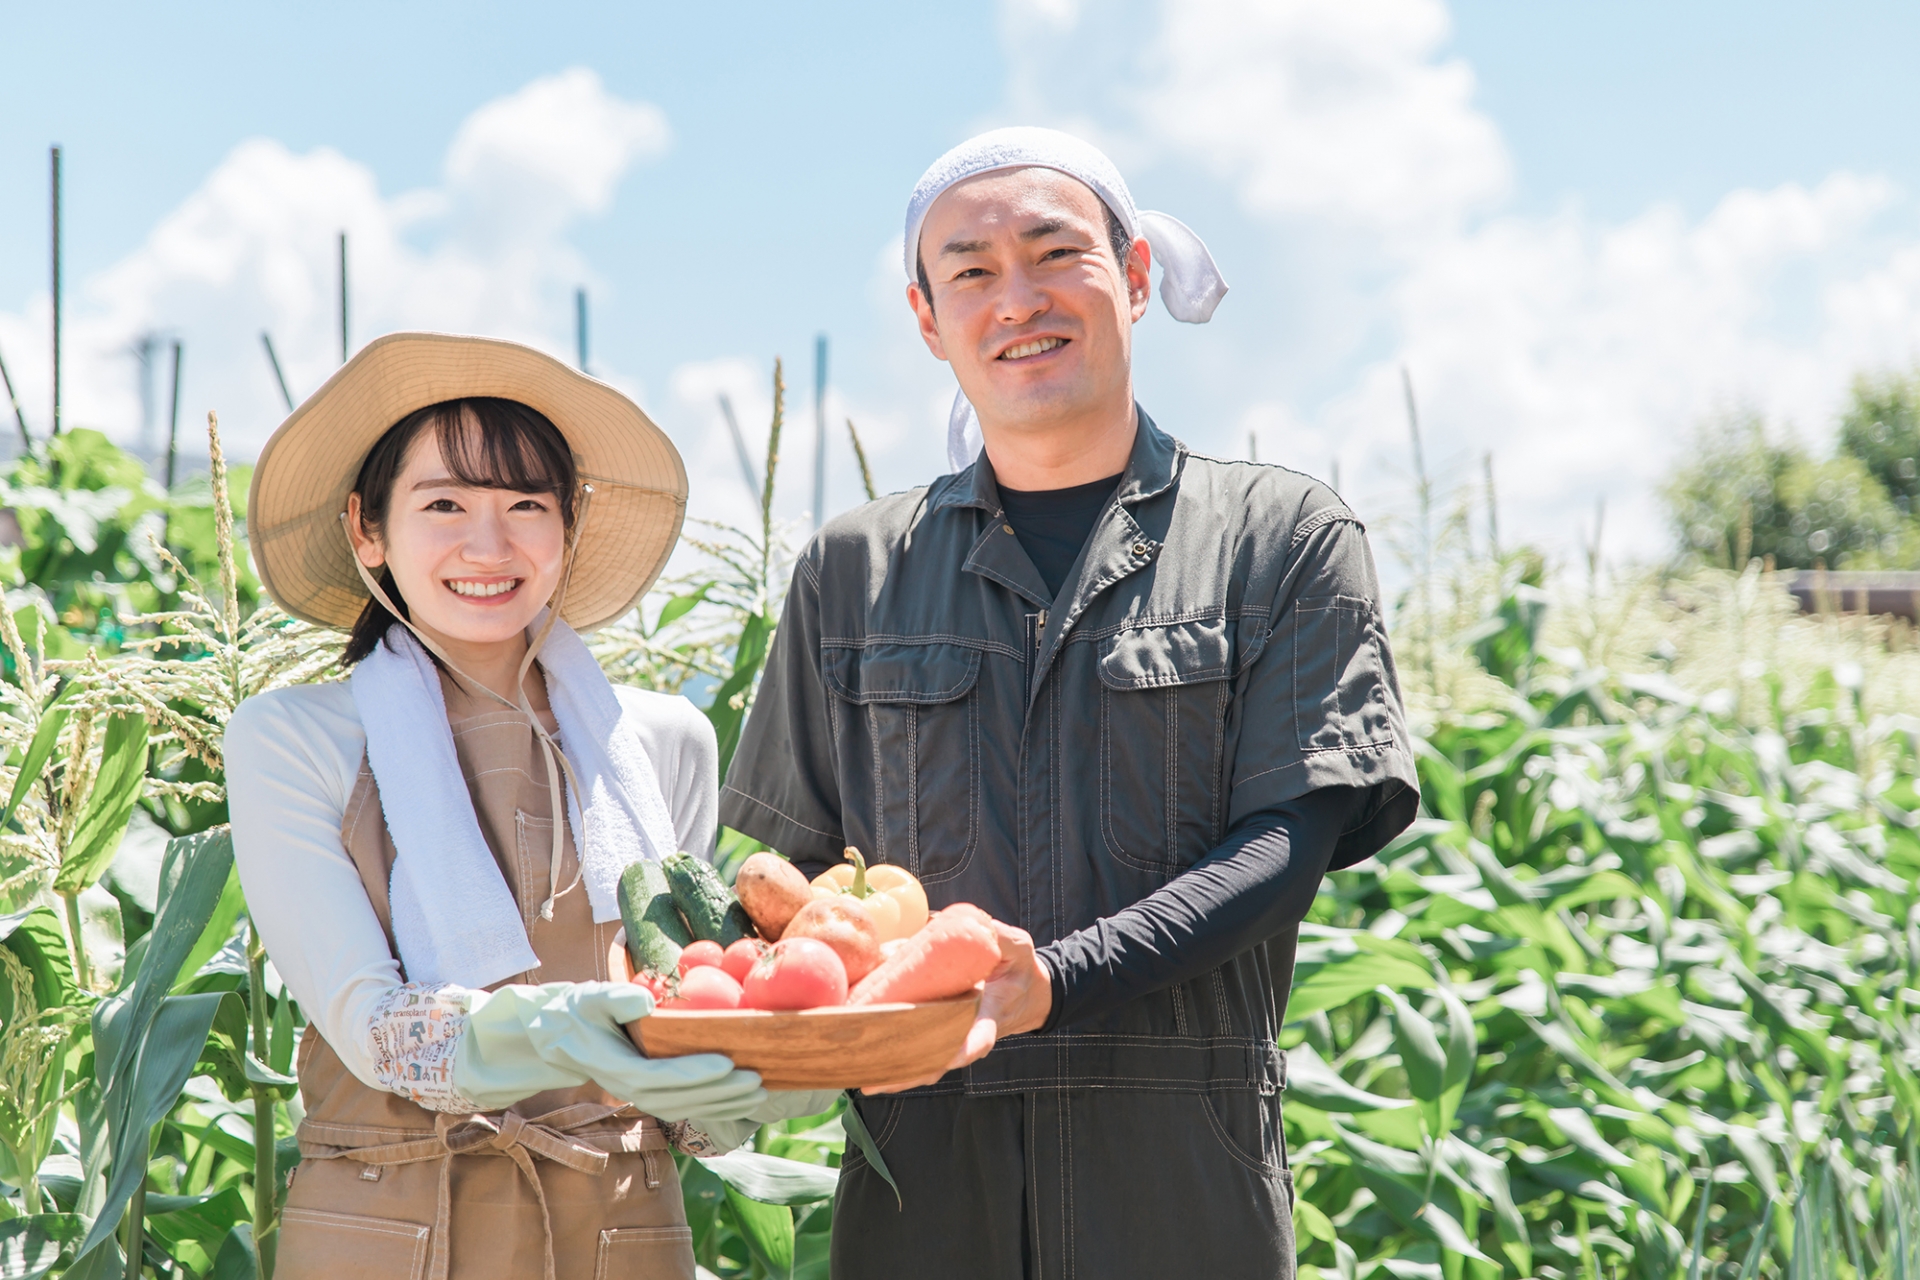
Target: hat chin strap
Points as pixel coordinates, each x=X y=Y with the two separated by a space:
x=556 y=759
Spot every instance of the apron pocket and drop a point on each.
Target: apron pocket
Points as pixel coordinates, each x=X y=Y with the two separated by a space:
x=345 y=1244
x=664 y=1252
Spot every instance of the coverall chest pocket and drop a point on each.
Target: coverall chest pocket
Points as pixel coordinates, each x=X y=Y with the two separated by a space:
x=1163 y=710
x=915 y=709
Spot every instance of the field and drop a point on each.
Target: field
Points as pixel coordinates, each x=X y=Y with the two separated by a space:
x=1635 y=997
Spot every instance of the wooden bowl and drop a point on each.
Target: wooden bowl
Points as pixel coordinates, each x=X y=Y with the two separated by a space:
x=837 y=1047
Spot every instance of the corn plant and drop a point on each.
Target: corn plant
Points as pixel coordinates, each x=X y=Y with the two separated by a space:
x=1636 y=955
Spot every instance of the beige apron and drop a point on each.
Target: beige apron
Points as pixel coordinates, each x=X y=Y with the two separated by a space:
x=387 y=1189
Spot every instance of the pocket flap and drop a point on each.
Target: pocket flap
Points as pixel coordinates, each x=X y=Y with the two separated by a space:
x=923 y=674
x=1171 y=654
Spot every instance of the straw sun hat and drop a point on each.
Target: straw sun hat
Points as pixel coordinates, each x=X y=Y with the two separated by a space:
x=301 y=483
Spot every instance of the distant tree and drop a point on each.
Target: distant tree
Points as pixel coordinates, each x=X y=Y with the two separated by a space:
x=1881 y=427
x=1739 y=495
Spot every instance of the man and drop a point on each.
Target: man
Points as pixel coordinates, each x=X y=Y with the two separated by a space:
x=1130 y=700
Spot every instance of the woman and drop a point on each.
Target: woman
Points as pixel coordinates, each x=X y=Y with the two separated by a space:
x=431 y=850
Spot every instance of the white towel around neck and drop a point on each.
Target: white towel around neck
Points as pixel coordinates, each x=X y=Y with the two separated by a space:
x=454 y=919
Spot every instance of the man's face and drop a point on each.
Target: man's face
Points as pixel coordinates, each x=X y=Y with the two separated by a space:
x=1029 y=304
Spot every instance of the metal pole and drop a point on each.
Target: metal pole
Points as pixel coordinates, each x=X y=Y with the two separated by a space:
x=173 y=420
x=266 y=340
x=56 y=290
x=747 y=472
x=820 y=435
x=343 y=297
x=19 y=415
x=580 y=325
x=1493 y=508
x=143 y=350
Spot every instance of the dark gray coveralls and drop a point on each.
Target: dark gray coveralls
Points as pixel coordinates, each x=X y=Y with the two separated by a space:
x=1218 y=648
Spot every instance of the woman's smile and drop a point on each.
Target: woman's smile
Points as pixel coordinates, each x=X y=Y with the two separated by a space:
x=484 y=591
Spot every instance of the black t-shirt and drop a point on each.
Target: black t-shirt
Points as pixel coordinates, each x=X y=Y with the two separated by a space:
x=1053 y=524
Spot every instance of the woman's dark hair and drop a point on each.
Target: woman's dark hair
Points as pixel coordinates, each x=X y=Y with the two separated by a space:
x=488 y=444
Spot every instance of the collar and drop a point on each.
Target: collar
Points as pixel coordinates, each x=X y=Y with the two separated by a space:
x=1151 y=469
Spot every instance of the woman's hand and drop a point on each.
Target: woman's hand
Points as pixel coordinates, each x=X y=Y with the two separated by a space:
x=1018 y=997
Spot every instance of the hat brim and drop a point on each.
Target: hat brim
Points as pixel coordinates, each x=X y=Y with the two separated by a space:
x=308 y=468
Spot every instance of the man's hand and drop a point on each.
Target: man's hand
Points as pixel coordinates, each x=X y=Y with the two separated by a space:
x=1018 y=997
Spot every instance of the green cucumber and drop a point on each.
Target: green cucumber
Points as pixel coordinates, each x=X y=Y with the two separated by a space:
x=712 y=912
x=655 y=932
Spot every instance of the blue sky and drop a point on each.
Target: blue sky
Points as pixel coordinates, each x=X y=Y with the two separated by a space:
x=1583 y=230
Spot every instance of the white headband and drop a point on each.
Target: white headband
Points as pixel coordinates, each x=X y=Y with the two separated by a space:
x=1190 y=283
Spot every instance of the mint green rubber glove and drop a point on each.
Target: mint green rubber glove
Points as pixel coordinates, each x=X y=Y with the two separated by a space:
x=522 y=1040
x=781 y=1104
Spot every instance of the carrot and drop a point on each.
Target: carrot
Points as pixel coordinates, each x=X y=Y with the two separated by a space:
x=943 y=960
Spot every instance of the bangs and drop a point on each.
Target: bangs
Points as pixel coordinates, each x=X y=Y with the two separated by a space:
x=489 y=443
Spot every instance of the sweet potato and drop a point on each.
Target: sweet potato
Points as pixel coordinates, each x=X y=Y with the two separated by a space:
x=772 y=890
x=844 y=924
x=943 y=960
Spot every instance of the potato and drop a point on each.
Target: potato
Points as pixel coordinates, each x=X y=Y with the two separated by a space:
x=772 y=890
x=845 y=924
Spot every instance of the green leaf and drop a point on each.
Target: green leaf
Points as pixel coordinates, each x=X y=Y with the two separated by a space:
x=1310 y=1222
x=280 y=1037
x=31 y=1246
x=767 y=1229
x=1335 y=967
x=748 y=655
x=169 y=1047
x=39 y=751
x=677 y=607
x=1462 y=1042
x=856 y=1127
x=205 y=1219
x=1310 y=1080
x=237 y=1259
x=1578 y=1128
x=1462 y=1052
x=192 y=878
x=1421 y=1056
x=772 y=1180
x=96 y=836
x=1488 y=1176
x=219 y=926
x=37 y=938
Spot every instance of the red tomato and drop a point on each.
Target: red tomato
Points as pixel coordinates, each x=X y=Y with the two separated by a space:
x=740 y=958
x=701 y=954
x=705 y=987
x=798 y=973
x=655 y=983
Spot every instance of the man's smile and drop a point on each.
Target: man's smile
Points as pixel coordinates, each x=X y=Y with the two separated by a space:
x=1027 y=350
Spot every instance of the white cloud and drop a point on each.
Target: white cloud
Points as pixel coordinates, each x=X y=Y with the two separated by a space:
x=1579 y=352
x=1339 y=109
x=254 y=248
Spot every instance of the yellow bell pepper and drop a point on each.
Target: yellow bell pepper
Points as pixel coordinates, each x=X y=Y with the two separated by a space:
x=890 y=894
